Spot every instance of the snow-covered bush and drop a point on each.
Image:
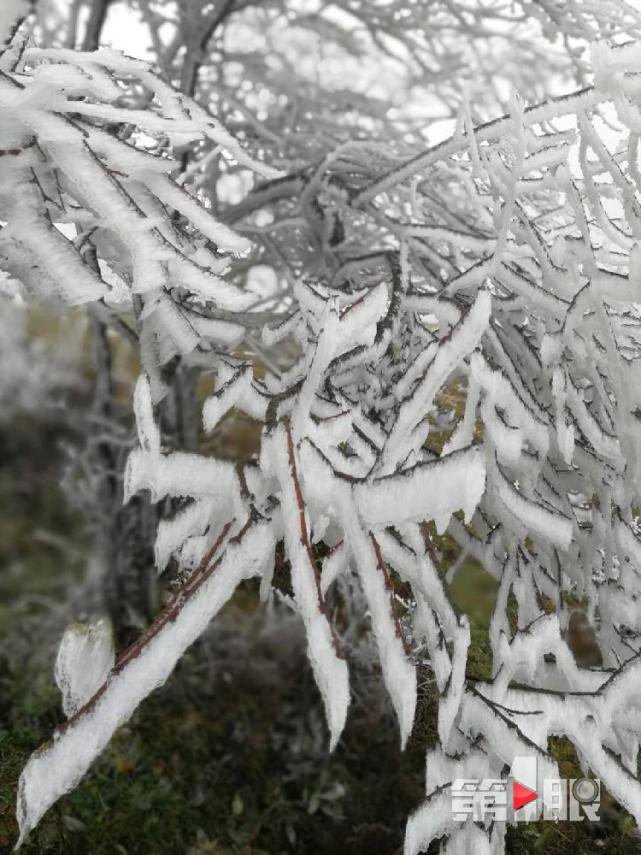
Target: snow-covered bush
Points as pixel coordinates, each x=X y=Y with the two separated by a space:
x=503 y=262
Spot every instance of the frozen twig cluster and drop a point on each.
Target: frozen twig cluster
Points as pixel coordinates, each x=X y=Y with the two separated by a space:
x=504 y=261
x=86 y=165
x=554 y=235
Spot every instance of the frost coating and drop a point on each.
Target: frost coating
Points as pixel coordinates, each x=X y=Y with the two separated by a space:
x=62 y=167
x=85 y=658
x=476 y=374
x=58 y=766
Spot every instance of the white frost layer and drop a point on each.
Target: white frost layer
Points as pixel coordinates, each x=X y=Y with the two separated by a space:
x=85 y=658
x=330 y=671
x=399 y=673
x=426 y=491
x=449 y=353
x=178 y=474
x=57 y=768
x=535 y=517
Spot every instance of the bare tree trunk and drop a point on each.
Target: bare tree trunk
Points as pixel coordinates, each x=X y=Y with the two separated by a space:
x=95 y=24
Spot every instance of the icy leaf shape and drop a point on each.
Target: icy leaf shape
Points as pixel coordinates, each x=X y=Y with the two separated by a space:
x=85 y=658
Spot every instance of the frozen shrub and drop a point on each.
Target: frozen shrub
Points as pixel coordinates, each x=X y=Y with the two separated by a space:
x=503 y=262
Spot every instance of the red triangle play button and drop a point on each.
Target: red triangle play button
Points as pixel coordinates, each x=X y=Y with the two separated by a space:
x=522 y=795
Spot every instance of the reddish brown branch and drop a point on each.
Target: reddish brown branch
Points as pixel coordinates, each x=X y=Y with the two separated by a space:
x=167 y=615
x=15 y=151
x=304 y=536
x=330 y=418
x=335 y=547
x=353 y=305
x=389 y=587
